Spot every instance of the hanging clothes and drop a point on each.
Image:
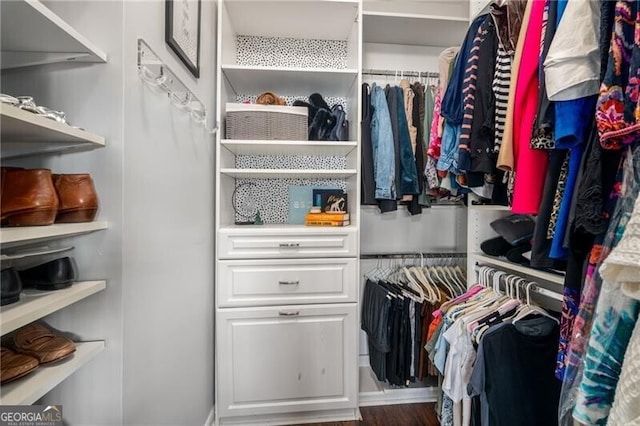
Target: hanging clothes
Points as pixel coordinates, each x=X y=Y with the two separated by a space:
x=528 y=394
x=368 y=183
x=530 y=164
x=383 y=149
x=596 y=407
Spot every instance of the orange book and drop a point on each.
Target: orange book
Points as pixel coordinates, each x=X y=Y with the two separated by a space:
x=327 y=216
x=326 y=222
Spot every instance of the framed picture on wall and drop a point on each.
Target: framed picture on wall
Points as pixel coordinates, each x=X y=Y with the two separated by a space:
x=182 y=31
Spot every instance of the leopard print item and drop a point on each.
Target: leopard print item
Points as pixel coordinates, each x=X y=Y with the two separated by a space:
x=542 y=138
x=562 y=181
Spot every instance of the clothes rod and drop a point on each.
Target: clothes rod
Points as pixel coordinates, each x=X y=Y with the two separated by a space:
x=398 y=73
x=535 y=288
x=437 y=255
x=547 y=293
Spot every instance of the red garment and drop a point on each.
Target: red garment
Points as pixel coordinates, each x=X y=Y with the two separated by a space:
x=530 y=164
x=433 y=325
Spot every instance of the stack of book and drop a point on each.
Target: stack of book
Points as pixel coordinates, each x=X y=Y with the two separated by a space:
x=327 y=219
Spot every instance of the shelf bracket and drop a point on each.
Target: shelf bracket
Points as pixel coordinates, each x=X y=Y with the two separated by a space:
x=156 y=73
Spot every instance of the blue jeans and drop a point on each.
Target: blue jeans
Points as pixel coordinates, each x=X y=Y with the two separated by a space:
x=384 y=159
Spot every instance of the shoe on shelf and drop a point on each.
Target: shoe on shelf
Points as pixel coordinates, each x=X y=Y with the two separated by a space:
x=53 y=275
x=15 y=365
x=10 y=286
x=38 y=341
x=28 y=197
x=78 y=198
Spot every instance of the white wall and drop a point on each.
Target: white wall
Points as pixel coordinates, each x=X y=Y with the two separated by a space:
x=168 y=237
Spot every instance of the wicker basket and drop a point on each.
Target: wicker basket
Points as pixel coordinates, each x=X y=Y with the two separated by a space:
x=266 y=122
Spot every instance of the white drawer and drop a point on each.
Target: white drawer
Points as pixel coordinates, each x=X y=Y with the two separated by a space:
x=286 y=359
x=282 y=282
x=234 y=243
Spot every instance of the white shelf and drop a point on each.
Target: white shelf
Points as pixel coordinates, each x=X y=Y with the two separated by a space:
x=278 y=228
x=36 y=304
x=246 y=79
x=34 y=35
x=488 y=207
x=29 y=389
x=325 y=20
x=413 y=29
x=509 y=266
x=25 y=133
x=272 y=147
x=288 y=173
x=32 y=234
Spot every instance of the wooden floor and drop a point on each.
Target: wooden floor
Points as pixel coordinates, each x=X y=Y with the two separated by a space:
x=393 y=415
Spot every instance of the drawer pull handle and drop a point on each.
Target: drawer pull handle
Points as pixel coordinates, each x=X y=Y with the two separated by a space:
x=288 y=282
x=290 y=245
x=289 y=313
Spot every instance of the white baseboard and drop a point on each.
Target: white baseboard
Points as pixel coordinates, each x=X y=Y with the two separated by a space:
x=372 y=392
x=211 y=418
x=295 y=418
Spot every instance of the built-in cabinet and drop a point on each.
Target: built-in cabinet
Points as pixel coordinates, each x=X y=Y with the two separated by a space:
x=34 y=35
x=286 y=295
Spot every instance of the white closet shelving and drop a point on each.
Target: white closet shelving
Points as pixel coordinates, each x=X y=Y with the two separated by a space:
x=483 y=259
x=290 y=80
x=246 y=147
x=432 y=23
x=28 y=390
x=11 y=237
x=34 y=35
x=35 y=304
x=25 y=133
x=288 y=173
x=290 y=289
x=407 y=36
x=479 y=230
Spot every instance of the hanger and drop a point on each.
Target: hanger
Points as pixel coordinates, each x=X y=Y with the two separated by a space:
x=373 y=273
x=530 y=309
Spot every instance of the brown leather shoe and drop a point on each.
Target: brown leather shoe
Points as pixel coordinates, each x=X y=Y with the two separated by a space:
x=14 y=365
x=38 y=341
x=78 y=198
x=28 y=197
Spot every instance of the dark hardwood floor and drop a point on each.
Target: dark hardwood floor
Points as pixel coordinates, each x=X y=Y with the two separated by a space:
x=393 y=415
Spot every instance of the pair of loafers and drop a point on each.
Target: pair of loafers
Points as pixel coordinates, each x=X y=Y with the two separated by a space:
x=30 y=347
x=54 y=275
x=34 y=197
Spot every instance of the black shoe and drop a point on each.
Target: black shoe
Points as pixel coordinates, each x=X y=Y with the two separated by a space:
x=54 y=275
x=10 y=286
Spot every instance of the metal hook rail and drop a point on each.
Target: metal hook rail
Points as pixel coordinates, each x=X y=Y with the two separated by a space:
x=156 y=73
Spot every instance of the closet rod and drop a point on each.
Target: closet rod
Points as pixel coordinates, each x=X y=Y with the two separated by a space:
x=545 y=292
x=398 y=73
x=535 y=288
x=434 y=255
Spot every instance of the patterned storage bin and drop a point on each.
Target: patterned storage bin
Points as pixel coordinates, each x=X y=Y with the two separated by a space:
x=266 y=122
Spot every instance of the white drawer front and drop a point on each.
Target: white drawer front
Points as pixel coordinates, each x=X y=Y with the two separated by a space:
x=286 y=359
x=329 y=243
x=281 y=282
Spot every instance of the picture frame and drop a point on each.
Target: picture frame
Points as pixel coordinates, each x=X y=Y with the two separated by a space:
x=182 y=31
